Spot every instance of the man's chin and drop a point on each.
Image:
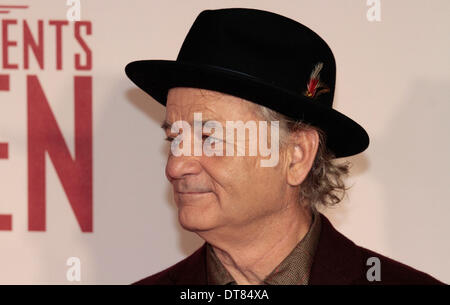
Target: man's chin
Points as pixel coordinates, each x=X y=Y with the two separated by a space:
x=194 y=222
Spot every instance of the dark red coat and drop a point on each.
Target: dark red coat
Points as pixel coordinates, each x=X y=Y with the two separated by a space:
x=337 y=261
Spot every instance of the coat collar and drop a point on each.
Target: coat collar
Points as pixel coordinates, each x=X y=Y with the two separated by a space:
x=337 y=259
x=191 y=270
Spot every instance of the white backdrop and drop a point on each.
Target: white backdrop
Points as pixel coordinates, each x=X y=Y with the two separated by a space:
x=393 y=77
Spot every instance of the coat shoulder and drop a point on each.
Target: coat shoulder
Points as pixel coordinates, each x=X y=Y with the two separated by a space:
x=160 y=278
x=396 y=273
x=339 y=261
x=190 y=270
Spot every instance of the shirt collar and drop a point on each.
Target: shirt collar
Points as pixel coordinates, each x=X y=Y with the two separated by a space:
x=293 y=270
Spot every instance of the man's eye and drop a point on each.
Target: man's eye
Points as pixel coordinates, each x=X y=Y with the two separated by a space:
x=204 y=137
x=210 y=139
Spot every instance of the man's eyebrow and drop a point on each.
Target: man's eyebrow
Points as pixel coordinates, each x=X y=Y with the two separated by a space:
x=167 y=126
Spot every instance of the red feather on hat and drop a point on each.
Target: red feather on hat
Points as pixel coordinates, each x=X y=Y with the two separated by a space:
x=315 y=86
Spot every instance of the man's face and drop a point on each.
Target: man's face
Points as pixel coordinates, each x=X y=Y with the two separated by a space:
x=220 y=191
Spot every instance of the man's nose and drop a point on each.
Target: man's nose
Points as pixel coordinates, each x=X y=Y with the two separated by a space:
x=179 y=167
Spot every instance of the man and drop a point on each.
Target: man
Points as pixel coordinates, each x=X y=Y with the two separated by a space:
x=260 y=222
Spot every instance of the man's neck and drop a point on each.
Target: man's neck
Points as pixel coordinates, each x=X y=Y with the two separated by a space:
x=262 y=245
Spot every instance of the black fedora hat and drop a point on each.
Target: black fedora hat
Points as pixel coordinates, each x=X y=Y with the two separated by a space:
x=262 y=57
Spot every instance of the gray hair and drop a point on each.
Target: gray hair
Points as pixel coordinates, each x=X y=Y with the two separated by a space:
x=324 y=184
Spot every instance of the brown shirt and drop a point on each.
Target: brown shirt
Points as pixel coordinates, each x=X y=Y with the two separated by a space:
x=293 y=270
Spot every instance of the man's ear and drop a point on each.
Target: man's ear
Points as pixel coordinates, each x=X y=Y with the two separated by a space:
x=302 y=150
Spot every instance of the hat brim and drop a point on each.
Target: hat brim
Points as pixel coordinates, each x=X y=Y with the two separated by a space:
x=344 y=137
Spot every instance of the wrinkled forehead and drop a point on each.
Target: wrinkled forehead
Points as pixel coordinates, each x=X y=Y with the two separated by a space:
x=183 y=102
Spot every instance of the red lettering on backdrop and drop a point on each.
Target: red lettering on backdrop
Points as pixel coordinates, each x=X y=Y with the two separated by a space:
x=35 y=43
x=3 y=150
x=4 y=82
x=44 y=136
x=38 y=48
x=5 y=219
x=58 y=24
x=6 y=43
x=78 y=65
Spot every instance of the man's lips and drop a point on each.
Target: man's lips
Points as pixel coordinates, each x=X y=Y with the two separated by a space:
x=192 y=193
